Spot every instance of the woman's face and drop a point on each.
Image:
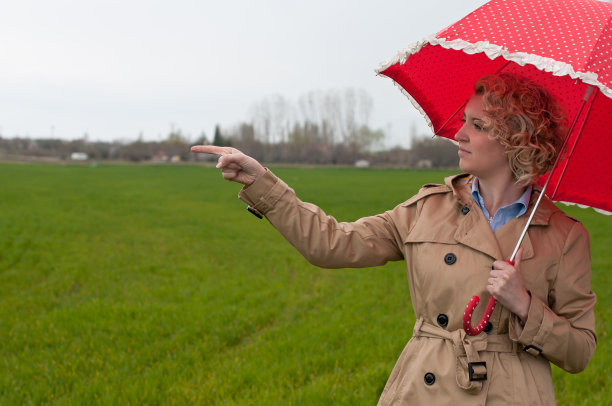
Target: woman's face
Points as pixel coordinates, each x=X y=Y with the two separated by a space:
x=478 y=154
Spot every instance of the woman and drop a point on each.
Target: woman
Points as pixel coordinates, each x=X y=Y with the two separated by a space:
x=455 y=238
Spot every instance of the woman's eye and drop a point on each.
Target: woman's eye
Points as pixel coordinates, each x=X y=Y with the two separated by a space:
x=478 y=127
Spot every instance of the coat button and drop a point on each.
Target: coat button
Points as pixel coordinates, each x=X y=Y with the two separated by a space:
x=429 y=378
x=465 y=210
x=450 y=258
x=488 y=327
x=442 y=320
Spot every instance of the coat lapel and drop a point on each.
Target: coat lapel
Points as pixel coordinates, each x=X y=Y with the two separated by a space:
x=475 y=232
x=473 y=229
x=508 y=235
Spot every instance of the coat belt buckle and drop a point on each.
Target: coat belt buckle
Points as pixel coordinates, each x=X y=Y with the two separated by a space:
x=479 y=375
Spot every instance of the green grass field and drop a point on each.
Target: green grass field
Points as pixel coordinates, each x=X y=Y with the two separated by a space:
x=153 y=285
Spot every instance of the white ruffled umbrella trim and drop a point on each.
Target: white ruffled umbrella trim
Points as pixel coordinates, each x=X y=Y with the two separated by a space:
x=584 y=206
x=557 y=68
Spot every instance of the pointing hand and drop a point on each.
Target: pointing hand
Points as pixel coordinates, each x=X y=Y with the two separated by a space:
x=234 y=165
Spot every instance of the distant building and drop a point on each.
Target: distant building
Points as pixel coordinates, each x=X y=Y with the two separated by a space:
x=424 y=163
x=79 y=156
x=160 y=157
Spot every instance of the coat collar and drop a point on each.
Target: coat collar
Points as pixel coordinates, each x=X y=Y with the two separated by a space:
x=474 y=229
x=461 y=186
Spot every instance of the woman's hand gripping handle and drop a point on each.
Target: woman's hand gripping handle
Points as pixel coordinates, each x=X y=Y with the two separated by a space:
x=505 y=285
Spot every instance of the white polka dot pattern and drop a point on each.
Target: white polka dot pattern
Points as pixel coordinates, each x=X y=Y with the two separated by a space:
x=548 y=36
x=575 y=32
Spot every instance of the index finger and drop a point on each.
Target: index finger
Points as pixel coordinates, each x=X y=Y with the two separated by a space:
x=212 y=149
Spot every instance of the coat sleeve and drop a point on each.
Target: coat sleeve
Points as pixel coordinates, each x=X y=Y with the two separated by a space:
x=320 y=238
x=563 y=329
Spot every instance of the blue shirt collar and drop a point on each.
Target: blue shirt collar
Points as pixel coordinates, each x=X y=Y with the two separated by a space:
x=506 y=213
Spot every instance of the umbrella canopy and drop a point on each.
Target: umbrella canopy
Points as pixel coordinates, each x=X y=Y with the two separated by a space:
x=564 y=45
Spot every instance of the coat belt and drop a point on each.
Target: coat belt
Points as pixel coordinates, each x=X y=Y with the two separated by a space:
x=471 y=372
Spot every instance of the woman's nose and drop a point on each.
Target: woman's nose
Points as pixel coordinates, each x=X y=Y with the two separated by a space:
x=460 y=135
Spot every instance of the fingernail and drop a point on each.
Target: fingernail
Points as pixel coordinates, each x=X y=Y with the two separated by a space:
x=218 y=165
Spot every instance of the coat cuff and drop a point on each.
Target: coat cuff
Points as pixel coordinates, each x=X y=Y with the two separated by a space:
x=537 y=327
x=263 y=194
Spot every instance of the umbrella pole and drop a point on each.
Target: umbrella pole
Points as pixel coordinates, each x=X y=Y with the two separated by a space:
x=469 y=310
x=587 y=93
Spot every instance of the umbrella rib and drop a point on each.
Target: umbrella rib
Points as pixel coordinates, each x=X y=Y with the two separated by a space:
x=588 y=92
x=465 y=102
x=451 y=117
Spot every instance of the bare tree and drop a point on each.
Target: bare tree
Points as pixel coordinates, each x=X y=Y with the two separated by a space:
x=273 y=117
x=320 y=119
x=262 y=120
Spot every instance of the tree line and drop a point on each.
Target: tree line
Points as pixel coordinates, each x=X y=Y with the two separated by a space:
x=321 y=127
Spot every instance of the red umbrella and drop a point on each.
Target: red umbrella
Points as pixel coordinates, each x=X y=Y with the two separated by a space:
x=564 y=45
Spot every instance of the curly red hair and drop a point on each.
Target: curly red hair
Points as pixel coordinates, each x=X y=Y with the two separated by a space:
x=525 y=118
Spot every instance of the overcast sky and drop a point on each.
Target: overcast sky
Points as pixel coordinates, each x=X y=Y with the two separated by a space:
x=117 y=69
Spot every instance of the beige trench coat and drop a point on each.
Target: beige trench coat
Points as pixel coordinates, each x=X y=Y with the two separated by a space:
x=449 y=248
